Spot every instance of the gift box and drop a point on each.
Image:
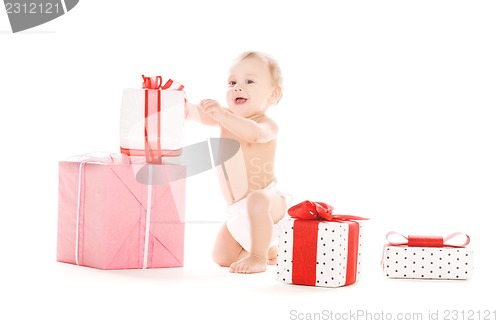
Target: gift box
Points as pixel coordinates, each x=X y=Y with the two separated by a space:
x=152 y=119
x=317 y=248
x=427 y=257
x=111 y=218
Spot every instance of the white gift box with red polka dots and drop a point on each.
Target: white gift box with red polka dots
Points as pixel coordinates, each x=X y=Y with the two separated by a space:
x=329 y=259
x=440 y=261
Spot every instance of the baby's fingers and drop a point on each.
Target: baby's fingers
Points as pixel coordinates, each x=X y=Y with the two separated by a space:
x=205 y=102
x=206 y=108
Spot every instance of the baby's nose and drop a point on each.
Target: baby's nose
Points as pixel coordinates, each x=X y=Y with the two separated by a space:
x=237 y=88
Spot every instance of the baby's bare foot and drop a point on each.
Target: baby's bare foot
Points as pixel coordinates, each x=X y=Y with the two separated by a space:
x=249 y=264
x=272 y=255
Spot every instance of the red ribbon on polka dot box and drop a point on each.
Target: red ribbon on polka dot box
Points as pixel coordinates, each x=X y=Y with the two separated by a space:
x=427 y=257
x=319 y=248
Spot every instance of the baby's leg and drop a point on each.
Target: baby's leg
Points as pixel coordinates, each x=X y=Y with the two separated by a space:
x=265 y=208
x=226 y=249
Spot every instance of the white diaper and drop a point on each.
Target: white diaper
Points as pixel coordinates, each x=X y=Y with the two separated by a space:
x=238 y=222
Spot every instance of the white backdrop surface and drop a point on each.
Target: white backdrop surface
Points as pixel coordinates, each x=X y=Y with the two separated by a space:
x=390 y=111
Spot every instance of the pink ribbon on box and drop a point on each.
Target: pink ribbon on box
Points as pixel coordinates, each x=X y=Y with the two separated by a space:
x=152 y=115
x=83 y=160
x=305 y=236
x=427 y=241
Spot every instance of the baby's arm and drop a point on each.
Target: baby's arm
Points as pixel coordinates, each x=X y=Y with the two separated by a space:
x=194 y=113
x=249 y=130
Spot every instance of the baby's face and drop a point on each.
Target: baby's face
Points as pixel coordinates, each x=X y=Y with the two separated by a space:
x=250 y=87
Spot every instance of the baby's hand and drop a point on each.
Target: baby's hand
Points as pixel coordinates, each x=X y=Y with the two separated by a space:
x=213 y=108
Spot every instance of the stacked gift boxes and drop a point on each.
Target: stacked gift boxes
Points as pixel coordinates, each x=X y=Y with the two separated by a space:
x=126 y=211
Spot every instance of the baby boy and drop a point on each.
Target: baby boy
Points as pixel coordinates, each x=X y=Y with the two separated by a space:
x=255 y=205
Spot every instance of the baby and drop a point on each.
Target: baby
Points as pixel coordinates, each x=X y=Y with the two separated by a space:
x=245 y=241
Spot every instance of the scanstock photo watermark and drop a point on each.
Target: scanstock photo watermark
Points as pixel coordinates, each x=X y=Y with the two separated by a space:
x=382 y=315
x=28 y=14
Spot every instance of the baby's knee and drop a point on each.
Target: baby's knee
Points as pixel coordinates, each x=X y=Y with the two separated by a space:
x=222 y=259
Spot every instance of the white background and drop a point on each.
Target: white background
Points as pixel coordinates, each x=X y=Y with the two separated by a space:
x=390 y=111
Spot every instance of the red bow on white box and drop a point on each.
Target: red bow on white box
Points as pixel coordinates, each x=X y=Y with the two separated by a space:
x=309 y=210
x=427 y=241
x=155 y=83
x=152 y=141
x=308 y=215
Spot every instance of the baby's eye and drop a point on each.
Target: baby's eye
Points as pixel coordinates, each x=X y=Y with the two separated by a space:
x=250 y=81
x=231 y=83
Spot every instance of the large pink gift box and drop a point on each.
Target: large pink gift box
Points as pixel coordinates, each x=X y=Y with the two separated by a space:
x=110 y=220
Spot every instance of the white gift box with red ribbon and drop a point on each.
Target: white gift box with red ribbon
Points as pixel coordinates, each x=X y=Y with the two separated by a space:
x=318 y=248
x=427 y=257
x=152 y=120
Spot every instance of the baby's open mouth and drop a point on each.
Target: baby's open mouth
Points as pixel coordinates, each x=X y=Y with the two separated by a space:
x=240 y=100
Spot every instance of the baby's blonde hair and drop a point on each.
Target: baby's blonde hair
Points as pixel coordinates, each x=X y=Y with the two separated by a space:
x=274 y=68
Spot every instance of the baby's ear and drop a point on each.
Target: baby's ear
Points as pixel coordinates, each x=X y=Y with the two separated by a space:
x=275 y=95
